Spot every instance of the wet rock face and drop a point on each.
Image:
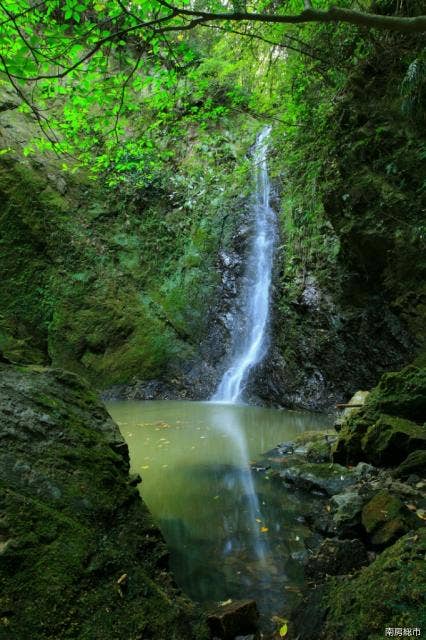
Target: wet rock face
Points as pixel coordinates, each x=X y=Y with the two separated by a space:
x=317 y=357
x=79 y=553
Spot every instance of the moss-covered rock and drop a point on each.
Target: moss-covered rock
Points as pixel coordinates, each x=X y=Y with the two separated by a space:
x=326 y=478
x=401 y=393
x=390 y=592
x=80 y=554
x=390 y=439
x=387 y=438
x=414 y=463
x=385 y=519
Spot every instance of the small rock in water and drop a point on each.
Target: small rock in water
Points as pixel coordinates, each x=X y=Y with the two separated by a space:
x=285 y=448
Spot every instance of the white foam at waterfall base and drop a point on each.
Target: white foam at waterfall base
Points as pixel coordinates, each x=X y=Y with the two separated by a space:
x=249 y=334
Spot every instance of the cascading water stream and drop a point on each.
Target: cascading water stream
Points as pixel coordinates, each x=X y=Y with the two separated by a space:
x=249 y=340
x=249 y=336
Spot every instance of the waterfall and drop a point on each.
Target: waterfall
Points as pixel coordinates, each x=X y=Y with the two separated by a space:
x=249 y=339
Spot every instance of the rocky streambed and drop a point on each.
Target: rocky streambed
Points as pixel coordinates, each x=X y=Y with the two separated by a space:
x=367 y=571
x=80 y=556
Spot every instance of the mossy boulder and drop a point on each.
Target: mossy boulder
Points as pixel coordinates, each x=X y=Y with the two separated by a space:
x=389 y=440
x=319 y=451
x=325 y=478
x=414 y=463
x=401 y=393
x=385 y=519
x=390 y=592
x=390 y=425
x=80 y=554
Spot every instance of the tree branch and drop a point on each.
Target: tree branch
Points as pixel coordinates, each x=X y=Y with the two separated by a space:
x=333 y=14
x=97 y=45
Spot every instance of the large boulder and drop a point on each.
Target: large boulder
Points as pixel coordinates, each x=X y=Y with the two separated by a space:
x=385 y=519
x=389 y=440
x=80 y=556
x=414 y=463
x=390 y=426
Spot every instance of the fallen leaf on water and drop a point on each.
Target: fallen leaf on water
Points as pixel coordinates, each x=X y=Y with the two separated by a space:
x=263 y=529
x=283 y=630
x=145 y=466
x=421 y=513
x=258 y=520
x=412 y=507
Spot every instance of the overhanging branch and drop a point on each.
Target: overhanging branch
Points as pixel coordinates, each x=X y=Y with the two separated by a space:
x=415 y=24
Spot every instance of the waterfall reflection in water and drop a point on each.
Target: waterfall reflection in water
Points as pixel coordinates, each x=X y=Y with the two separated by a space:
x=192 y=483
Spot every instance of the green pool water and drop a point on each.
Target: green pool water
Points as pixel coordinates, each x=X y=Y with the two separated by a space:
x=232 y=532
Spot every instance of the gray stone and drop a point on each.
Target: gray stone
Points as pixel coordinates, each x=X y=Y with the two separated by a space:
x=326 y=478
x=346 y=508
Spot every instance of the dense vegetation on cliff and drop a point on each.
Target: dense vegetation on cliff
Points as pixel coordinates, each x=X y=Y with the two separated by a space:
x=118 y=275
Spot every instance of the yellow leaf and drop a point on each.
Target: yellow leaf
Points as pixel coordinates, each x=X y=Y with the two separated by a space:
x=263 y=529
x=225 y=602
x=145 y=466
x=283 y=630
